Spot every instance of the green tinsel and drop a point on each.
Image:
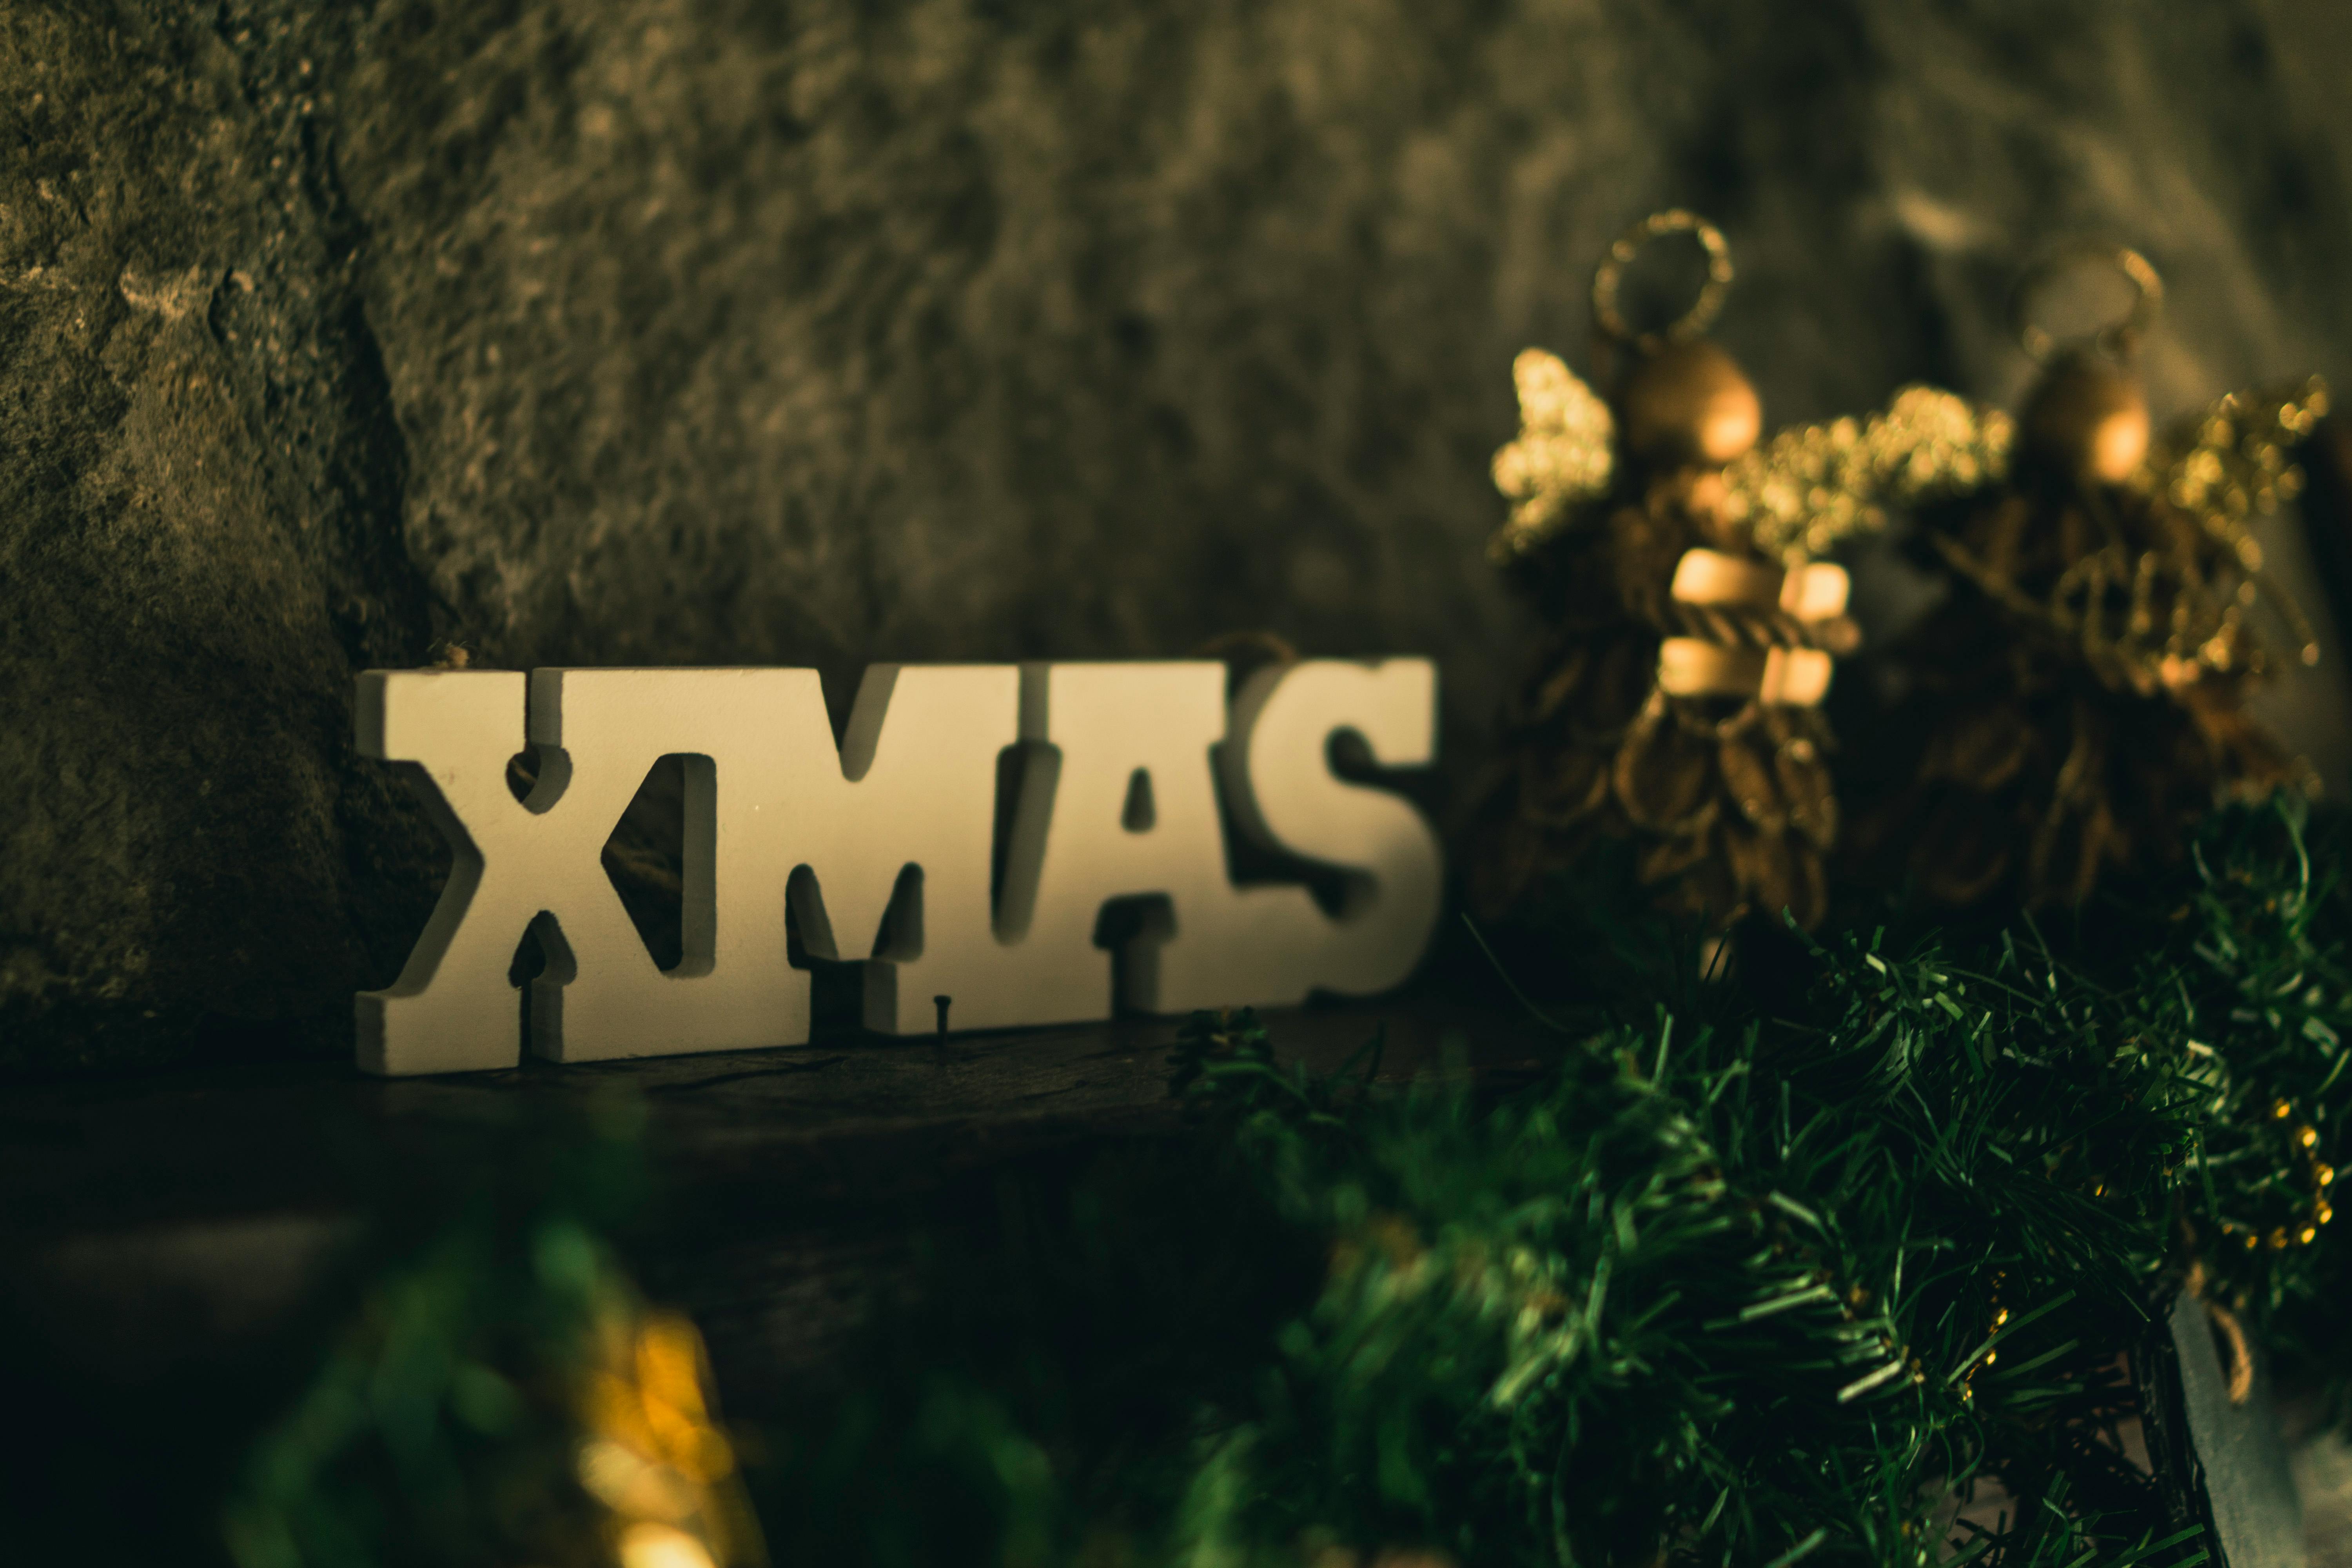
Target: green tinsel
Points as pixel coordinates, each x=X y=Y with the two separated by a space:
x=1738 y=1282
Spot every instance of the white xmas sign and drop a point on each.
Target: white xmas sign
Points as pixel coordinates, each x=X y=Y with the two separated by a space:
x=1116 y=799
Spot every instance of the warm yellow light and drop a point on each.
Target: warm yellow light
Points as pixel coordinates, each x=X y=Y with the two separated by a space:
x=654 y=1457
x=659 y=1546
x=626 y=1483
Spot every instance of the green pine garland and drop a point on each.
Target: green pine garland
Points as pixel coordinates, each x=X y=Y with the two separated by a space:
x=442 y=1426
x=1735 y=1284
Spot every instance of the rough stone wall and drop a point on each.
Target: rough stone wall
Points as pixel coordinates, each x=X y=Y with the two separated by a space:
x=730 y=330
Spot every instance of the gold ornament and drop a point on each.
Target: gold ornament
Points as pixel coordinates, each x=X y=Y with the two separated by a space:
x=1812 y=488
x=2080 y=697
x=1563 y=457
x=1676 y=704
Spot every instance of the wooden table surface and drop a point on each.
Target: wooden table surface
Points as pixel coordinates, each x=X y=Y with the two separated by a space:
x=158 y=1224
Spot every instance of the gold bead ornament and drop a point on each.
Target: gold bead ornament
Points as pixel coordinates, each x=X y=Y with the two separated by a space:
x=2086 y=416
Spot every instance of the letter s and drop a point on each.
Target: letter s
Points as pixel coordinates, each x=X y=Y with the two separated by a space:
x=1284 y=797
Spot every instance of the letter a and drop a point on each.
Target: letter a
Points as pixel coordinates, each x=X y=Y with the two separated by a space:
x=1104 y=739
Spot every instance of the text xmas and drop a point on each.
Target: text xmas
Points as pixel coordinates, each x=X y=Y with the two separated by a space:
x=886 y=847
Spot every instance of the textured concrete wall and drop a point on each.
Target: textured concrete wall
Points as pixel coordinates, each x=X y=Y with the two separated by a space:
x=618 y=330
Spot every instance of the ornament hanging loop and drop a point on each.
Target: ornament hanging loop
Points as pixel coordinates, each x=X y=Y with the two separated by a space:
x=1611 y=320
x=2118 y=339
